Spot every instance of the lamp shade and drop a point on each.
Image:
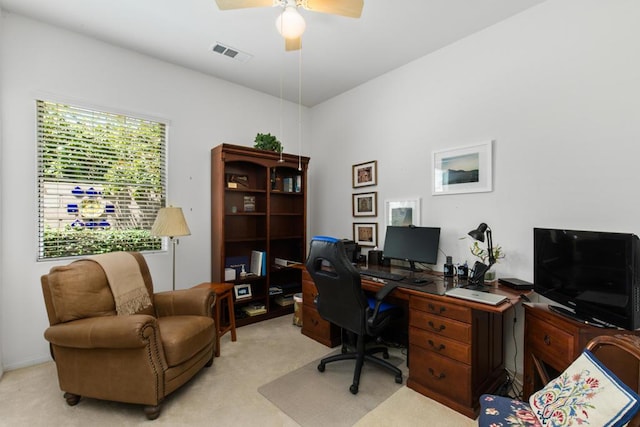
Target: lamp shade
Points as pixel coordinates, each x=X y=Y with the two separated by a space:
x=478 y=233
x=290 y=23
x=170 y=222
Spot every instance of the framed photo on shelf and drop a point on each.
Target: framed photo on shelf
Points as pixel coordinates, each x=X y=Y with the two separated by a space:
x=242 y=291
x=402 y=212
x=365 y=204
x=463 y=170
x=365 y=174
x=365 y=234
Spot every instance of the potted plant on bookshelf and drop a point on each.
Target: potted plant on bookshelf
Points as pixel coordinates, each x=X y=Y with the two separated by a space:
x=268 y=142
x=483 y=254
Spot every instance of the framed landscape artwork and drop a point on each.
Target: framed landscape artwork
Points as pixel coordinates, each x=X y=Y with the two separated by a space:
x=463 y=170
x=365 y=174
x=366 y=234
x=402 y=212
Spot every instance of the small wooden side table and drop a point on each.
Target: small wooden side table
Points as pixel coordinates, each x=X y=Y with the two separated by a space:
x=224 y=295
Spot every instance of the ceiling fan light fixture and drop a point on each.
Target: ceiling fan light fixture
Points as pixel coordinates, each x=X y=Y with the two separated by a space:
x=290 y=23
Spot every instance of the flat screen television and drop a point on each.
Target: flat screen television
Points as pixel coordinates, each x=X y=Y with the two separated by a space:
x=412 y=244
x=594 y=273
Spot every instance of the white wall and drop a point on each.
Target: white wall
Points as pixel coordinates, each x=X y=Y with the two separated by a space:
x=43 y=61
x=555 y=87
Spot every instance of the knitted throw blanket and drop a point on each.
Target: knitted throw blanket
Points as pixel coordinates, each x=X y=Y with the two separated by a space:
x=125 y=280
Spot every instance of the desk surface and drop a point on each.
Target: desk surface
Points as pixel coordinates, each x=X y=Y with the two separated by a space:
x=438 y=287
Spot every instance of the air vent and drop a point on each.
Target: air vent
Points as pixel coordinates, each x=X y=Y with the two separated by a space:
x=231 y=52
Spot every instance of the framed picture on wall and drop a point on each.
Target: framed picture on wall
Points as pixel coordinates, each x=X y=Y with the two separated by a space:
x=463 y=170
x=402 y=212
x=365 y=174
x=365 y=234
x=365 y=204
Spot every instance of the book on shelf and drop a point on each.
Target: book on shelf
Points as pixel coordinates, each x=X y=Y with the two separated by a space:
x=249 y=203
x=287 y=185
x=258 y=263
x=284 y=300
x=281 y=262
x=275 y=290
x=254 y=309
x=298 y=184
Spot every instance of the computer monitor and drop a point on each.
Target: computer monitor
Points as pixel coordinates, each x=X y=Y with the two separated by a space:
x=412 y=244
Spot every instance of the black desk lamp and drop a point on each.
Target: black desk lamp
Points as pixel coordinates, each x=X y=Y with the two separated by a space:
x=479 y=268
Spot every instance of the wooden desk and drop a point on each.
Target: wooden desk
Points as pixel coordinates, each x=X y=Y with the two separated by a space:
x=456 y=350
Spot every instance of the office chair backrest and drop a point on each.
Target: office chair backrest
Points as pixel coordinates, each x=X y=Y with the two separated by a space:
x=340 y=298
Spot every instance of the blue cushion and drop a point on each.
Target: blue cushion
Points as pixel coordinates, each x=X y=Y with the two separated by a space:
x=505 y=411
x=383 y=307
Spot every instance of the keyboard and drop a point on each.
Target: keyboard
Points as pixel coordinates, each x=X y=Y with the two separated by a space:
x=382 y=275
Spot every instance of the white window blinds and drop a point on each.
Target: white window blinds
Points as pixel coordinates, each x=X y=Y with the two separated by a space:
x=101 y=181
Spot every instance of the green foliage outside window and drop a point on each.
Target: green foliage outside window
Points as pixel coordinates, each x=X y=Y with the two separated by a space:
x=122 y=157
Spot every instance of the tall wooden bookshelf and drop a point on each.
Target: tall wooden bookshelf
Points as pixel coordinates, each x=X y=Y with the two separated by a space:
x=258 y=203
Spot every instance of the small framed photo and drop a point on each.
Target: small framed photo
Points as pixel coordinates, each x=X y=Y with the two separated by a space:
x=365 y=174
x=365 y=204
x=402 y=212
x=463 y=170
x=242 y=291
x=366 y=234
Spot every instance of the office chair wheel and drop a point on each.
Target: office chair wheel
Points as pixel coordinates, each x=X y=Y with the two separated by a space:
x=399 y=379
x=344 y=349
x=321 y=367
x=353 y=389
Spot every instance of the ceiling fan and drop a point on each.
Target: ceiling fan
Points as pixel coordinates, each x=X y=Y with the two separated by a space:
x=290 y=23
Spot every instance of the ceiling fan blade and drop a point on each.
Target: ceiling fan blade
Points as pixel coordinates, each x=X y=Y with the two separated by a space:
x=293 y=44
x=348 y=8
x=241 y=4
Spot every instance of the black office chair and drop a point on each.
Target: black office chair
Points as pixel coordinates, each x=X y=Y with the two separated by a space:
x=342 y=302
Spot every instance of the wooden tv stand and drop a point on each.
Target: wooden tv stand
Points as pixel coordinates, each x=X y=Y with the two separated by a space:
x=456 y=350
x=552 y=342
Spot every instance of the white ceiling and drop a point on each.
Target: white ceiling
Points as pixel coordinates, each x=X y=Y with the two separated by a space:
x=338 y=53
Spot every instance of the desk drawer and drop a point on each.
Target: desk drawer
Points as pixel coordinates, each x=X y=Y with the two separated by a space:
x=441 y=374
x=309 y=293
x=440 y=308
x=545 y=337
x=440 y=345
x=441 y=326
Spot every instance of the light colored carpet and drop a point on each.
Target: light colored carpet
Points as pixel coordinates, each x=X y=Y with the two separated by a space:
x=318 y=399
x=224 y=395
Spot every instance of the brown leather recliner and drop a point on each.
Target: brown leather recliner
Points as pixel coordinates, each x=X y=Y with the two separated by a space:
x=139 y=358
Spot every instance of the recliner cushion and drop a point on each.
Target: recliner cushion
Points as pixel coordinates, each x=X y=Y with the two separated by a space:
x=184 y=336
x=80 y=290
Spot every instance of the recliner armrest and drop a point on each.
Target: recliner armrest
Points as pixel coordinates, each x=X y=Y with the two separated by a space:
x=103 y=332
x=194 y=301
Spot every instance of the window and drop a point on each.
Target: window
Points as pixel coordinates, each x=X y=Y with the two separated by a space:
x=101 y=181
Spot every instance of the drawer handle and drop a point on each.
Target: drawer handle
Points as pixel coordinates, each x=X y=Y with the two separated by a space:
x=439 y=328
x=440 y=310
x=439 y=376
x=439 y=348
x=547 y=340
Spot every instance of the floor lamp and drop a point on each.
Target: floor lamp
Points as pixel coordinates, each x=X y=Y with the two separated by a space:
x=170 y=223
